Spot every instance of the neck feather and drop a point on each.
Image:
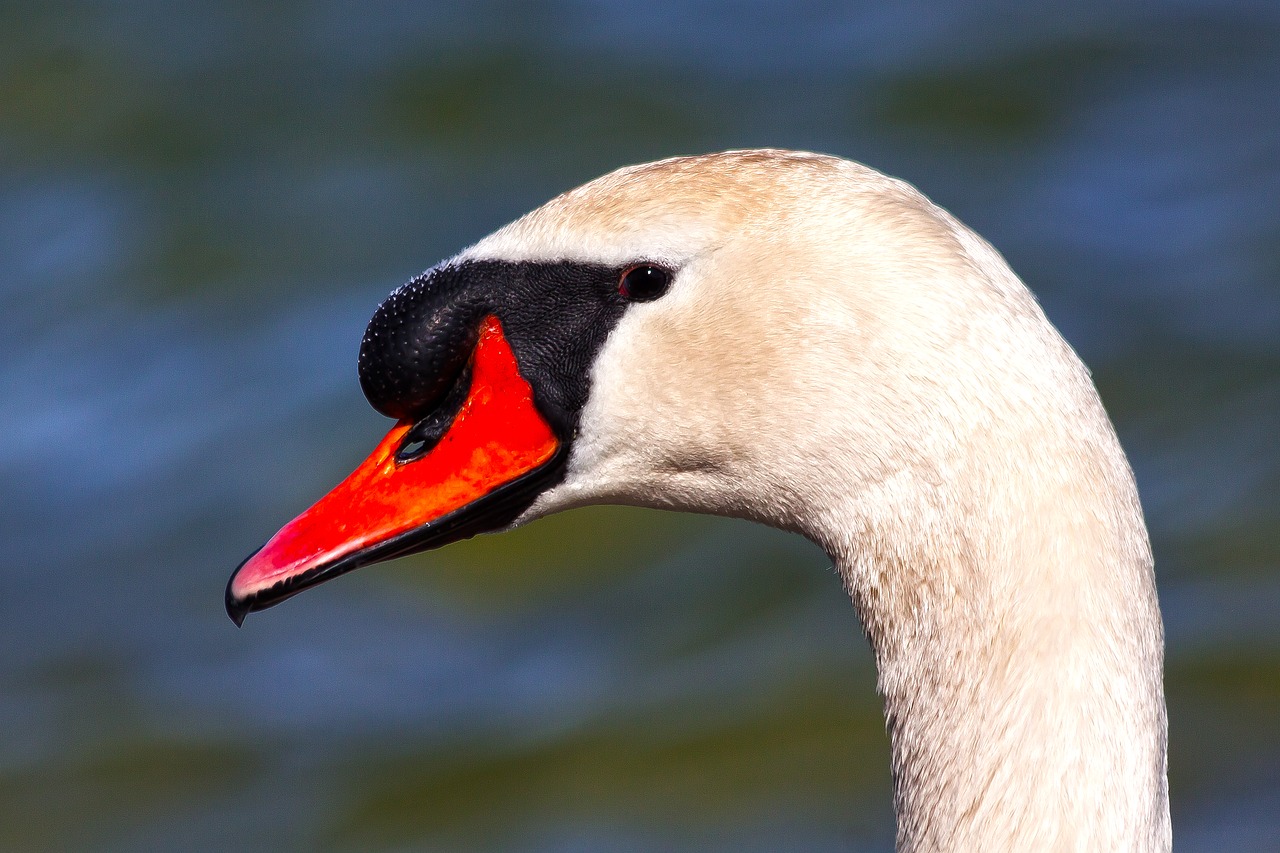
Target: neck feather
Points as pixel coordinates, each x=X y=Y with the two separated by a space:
x=1019 y=649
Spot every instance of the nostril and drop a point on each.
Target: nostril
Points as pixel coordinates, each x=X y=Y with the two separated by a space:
x=411 y=450
x=423 y=436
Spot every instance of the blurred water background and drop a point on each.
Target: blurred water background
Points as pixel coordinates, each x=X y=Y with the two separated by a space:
x=200 y=206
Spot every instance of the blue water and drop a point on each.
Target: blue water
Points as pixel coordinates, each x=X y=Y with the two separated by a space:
x=199 y=210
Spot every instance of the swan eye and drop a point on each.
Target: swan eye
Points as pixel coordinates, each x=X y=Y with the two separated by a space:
x=644 y=282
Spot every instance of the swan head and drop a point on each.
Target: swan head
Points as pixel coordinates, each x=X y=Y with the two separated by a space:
x=775 y=335
x=802 y=341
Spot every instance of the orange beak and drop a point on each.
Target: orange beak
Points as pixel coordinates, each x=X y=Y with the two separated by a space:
x=495 y=457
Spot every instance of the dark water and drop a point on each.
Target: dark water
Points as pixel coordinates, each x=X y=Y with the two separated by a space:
x=201 y=205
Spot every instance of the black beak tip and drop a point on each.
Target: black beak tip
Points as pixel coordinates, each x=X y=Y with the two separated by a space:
x=237 y=608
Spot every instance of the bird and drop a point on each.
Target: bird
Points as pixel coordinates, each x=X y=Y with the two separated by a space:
x=799 y=340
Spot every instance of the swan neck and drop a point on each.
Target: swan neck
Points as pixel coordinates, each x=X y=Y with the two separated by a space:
x=1020 y=664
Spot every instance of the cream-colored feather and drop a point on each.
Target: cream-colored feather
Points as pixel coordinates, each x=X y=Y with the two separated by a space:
x=839 y=357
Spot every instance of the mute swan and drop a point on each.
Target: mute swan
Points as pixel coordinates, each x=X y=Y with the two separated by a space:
x=799 y=340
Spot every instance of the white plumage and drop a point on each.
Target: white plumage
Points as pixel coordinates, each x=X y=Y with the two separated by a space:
x=839 y=357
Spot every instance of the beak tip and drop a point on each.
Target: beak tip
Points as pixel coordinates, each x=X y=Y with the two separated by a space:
x=237 y=608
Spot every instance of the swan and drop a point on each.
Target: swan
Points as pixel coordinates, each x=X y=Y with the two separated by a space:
x=799 y=340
